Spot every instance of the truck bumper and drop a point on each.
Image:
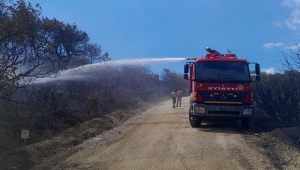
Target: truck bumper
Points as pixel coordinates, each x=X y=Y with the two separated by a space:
x=203 y=110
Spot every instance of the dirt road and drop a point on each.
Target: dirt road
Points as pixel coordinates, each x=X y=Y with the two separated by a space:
x=162 y=138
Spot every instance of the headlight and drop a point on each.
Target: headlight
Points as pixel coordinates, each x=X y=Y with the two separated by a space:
x=247 y=111
x=199 y=110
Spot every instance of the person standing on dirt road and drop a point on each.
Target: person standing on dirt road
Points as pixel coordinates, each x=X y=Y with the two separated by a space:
x=173 y=96
x=179 y=96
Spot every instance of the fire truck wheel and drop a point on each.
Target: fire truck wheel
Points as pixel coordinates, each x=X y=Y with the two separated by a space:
x=245 y=123
x=194 y=121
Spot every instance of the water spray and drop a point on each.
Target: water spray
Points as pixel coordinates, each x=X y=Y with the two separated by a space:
x=88 y=70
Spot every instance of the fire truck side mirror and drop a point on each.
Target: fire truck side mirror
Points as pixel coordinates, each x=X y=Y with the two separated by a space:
x=257 y=78
x=257 y=72
x=186 y=68
x=257 y=69
x=185 y=76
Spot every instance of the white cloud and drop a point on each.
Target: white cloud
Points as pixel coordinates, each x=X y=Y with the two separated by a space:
x=294 y=20
x=269 y=70
x=277 y=24
x=294 y=47
x=272 y=45
x=291 y=3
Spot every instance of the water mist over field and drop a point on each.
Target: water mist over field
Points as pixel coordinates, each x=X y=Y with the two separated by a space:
x=87 y=71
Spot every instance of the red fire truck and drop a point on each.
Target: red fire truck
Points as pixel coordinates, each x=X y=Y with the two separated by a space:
x=220 y=88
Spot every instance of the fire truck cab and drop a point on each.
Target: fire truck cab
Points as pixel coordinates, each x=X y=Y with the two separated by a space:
x=220 y=88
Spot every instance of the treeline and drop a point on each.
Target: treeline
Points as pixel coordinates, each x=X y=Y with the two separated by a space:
x=56 y=105
x=107 y=89
x=277 y=96
x=32 y=45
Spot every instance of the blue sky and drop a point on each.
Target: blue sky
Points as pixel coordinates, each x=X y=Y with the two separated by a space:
x=127 y=29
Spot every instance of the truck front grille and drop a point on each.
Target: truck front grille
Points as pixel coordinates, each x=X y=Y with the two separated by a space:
x=231 y=96
x=223 y=112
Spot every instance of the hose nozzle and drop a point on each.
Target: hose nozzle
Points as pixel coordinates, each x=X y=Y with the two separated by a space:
x=189 y=58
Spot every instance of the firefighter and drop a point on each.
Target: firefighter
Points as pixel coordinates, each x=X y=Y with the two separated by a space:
x=173 y=96
x=211 y=51
x=179 y=96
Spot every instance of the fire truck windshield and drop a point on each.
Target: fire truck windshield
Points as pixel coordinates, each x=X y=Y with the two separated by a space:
x=222 y=72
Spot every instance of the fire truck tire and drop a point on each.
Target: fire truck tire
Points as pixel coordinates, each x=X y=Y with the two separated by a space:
x=245 y=123
x=194 y=122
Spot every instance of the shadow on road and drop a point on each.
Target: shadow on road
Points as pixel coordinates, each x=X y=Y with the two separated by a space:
x=155 y=123
x=224 y=126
